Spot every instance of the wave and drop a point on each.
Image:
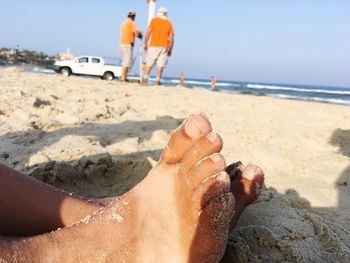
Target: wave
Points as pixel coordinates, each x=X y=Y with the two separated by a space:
x=258 y=86
x=282 y=96
x=223 y=84
x=316 y=99
x=205 y=83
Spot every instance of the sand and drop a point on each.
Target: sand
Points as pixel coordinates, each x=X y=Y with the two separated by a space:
x=99 y=139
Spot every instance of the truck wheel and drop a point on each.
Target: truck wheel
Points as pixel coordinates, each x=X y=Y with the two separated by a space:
x=108 y=76
x=65 y=71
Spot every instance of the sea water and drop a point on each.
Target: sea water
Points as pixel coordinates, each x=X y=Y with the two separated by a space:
x=337 y=95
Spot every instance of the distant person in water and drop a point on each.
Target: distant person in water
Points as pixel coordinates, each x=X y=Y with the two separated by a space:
x=159 y=43
x=128 y=32
x=182 y=211
x=213 y=82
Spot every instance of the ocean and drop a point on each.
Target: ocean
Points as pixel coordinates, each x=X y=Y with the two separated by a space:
x=335 y=95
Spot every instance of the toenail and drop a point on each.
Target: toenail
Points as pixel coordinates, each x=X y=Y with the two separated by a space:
x=218 y=158
x=250 y=172
x=193 y=128
x=258 y=171
x=212 y=137
x=223 y=176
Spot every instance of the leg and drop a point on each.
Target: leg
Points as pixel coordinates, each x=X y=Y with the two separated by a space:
x=124 y=76
x=162 y=61
x=30 y=207
x=159 y=75
x=126 y=52
x=147 y=72
x=30 y=218
x=151 y=58
x=180 y=212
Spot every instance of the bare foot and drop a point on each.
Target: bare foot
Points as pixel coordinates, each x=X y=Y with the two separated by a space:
x=181 y=212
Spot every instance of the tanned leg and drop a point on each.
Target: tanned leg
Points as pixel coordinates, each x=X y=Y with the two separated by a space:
x=159 y=75
x=160 y=72
x=148 y=70
x=30 y=207
x=124 y=76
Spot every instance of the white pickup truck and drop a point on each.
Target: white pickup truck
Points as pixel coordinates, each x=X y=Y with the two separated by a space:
x=88 y=65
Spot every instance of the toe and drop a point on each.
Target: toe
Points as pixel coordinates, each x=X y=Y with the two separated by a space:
x=206 y=168
x=194 y=128
x=220 y=210
x=213 y=229
x=211 y=188
x=204 y=147
x=246 y=188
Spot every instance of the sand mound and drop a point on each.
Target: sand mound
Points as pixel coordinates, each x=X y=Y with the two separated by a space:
x=284 y=228
x=94 y=176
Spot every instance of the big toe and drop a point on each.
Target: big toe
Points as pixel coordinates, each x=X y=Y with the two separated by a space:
x=215 y=204
x=213 y=229
x=193 y=129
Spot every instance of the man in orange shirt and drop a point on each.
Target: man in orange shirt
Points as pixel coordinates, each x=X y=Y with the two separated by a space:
x=128 y=31
x=160 y=47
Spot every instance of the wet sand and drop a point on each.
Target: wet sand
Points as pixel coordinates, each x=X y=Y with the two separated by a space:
x=99 y=138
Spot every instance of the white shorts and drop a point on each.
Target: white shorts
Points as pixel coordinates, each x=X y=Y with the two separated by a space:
x=126 y=53
x=157 y=54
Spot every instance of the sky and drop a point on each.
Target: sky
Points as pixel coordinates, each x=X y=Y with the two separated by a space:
x=272 y=41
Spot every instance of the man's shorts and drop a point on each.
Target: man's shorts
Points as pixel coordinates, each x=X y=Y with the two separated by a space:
x=126 y=52
x=157 y=54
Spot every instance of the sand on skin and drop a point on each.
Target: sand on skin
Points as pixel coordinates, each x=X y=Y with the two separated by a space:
x=100 y=138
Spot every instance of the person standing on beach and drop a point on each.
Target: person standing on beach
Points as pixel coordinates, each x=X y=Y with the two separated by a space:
x=213 y=82
x=182 y=79
x=128 y=32
x=159 y=43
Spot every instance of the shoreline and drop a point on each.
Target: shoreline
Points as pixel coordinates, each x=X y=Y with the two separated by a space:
x=321 y=94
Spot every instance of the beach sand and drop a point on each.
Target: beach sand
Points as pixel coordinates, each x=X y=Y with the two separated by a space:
x=99 y=139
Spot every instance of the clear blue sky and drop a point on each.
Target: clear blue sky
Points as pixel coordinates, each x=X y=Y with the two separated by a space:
x=285 y=41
